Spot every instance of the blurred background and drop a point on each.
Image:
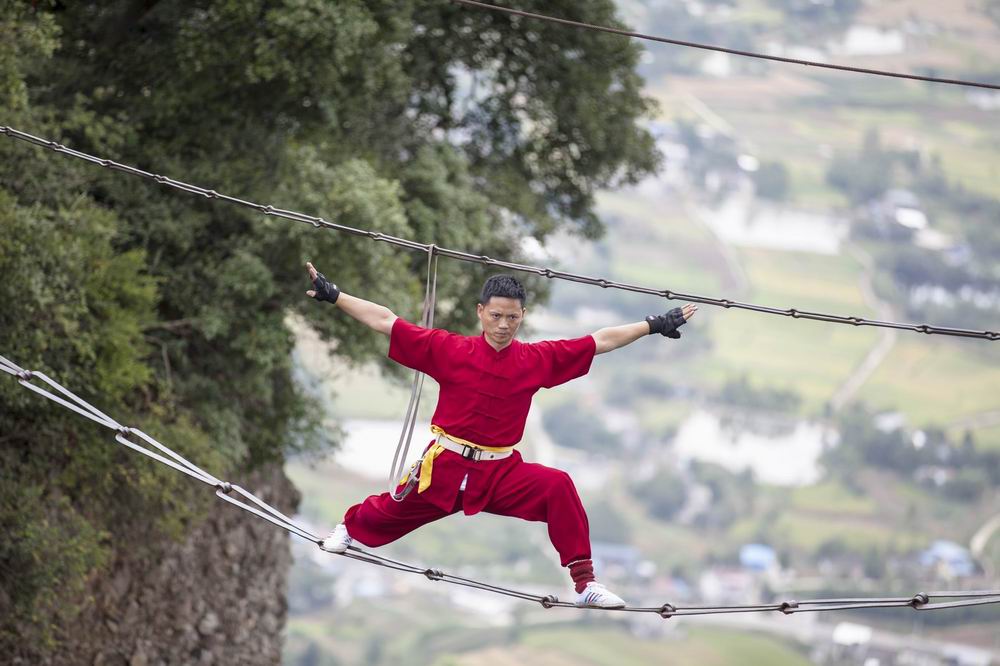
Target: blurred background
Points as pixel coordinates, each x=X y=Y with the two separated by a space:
x=757 y=458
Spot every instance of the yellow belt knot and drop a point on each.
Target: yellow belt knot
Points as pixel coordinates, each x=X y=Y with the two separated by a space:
x=426 y=464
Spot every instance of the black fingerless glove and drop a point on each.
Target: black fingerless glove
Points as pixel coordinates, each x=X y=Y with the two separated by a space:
x=667 y=324
x=325 y=290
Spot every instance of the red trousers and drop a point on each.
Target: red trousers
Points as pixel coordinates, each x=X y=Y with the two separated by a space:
x=528 y=491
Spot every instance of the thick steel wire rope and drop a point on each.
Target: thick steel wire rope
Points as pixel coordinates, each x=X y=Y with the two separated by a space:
x=550 y=273
x=722 y=49
x=260 y=508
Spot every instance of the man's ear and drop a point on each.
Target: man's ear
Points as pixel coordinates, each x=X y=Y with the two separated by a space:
x=479 y=308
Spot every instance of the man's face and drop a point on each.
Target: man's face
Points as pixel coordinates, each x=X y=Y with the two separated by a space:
x=500 y=318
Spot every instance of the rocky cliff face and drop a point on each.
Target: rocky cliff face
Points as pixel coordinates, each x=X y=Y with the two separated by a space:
x=218 y=597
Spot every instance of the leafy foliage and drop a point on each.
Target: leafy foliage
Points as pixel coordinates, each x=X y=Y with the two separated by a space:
x=663 y=493
x=862 y=443
x=575 y=428
x=741 y=393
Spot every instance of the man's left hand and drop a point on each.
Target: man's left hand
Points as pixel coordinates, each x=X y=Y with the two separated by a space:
x=668 y=323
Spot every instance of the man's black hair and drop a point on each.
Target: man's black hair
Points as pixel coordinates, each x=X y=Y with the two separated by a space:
x=503 y=286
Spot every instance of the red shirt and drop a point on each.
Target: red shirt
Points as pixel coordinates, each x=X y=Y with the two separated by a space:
x=485 y=396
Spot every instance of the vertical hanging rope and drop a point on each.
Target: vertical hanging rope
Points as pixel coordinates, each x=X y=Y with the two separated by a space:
x=410 y=420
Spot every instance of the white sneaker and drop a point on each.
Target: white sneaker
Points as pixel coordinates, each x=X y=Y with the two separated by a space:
x=596 y=595
x=337 y=541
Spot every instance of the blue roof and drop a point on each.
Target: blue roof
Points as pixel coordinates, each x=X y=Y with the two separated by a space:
x=757 y=556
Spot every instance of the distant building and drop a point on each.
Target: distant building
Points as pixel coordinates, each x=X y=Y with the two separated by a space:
x=948 y=559
x=758 y=557
x=616 y=559
x=903 y=208
x=727 y=585
x=985 y=101
x=889 y=421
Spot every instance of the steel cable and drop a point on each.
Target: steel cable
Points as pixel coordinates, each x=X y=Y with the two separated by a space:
x=722 y=49
x=261 y=509
x=549 y=273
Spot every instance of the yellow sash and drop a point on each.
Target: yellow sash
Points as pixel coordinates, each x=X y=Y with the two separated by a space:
x=427 y=462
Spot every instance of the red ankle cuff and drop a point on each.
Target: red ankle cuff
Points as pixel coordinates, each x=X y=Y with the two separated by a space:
x=582 y=572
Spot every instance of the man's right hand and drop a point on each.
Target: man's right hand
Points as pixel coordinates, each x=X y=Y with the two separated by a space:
x=323 y=289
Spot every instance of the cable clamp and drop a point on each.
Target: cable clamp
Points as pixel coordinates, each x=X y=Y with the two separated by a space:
x=788 y=607
x=433 y=574
x=667 y=611
x=548 y=601
x=25 y=375
x=225 y=487
x=919 y=599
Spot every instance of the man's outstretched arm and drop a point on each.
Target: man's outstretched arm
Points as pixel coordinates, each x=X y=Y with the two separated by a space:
x=374 y=316
x=615 y=337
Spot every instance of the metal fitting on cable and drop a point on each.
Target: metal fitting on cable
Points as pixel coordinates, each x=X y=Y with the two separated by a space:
x=433 y=574
x=548 y=601
x=124 y=431
x=25 y=375
x=788 y=607
x=225 y=487
x=919 y=599
x=667 y=611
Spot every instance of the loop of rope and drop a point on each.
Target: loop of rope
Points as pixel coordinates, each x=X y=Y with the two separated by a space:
x=482 y=259
x=401 y=454
x=258 y=507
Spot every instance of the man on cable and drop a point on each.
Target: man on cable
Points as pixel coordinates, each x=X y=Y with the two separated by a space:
x=486 y=385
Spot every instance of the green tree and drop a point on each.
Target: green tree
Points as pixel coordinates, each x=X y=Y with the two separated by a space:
x=866 y=176
x=663 y=494
x=771 y=181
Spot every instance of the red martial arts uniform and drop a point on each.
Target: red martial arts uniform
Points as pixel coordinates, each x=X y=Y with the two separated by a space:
x=485 y=397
